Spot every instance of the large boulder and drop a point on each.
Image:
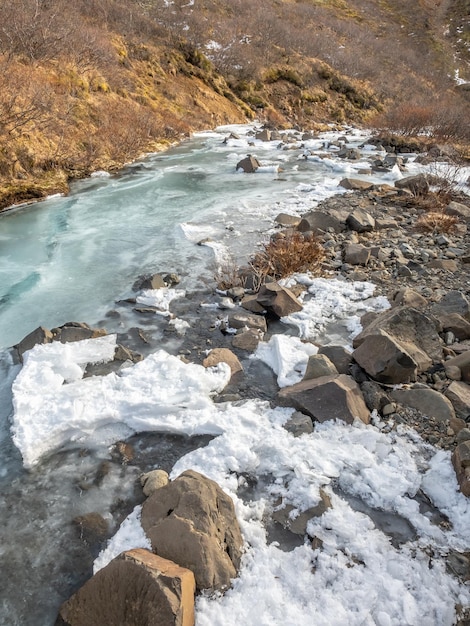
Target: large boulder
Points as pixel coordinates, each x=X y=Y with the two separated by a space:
x=278 y=300
x=263 y=135
x=356 y=184
x=318 y=221
x=319 y=365
x=327 y=397
x=249 y=164
x=459 y=394
x=360 y=221
x=456 y=324
x=452 y=302
x=458 y=209
x=411 y=328
x=356 y=254
x=192 y=522
x=339 y=356
x=385 y=359
x=427 y=401
x=285 y=219
x=418 y=185
x=410 y=298
x=137 y=587
x=76 y=331
x=38 y=336
x=462 y=362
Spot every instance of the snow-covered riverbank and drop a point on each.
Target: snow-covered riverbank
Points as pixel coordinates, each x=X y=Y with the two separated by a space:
x=380 y=555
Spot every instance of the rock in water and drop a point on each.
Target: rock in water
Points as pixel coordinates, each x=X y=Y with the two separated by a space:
x=249 y=164
x=136 y=588
x=192 y=522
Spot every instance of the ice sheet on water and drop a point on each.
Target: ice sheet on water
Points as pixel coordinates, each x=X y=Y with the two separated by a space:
x=160 y=298
x=54 y=406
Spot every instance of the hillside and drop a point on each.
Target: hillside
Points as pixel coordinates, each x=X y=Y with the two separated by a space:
x=93 y=85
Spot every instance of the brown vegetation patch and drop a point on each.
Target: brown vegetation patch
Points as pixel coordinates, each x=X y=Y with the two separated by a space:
x=437 y=222
x=287 y=254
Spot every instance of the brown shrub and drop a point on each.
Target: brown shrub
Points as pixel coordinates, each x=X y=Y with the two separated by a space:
x=437 y=222
x=286 y=254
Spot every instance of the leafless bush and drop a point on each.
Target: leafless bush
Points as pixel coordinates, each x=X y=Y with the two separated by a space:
x=228 y=275
x=24 y=99
x=286 y=254
x=437 y=222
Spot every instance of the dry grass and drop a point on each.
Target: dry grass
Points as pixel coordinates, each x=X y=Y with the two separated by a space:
x=437 y=222
x=228 y=275
x=287 y=254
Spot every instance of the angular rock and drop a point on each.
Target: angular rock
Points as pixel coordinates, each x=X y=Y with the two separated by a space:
x=278 y=300
x=245 y=320
x=151 y=481
x=408 y=297
x=263 y=135
x=462 y=361
x=250 y=303
x=411 y=328
x=299 y=424
x=353 y=154
x=427 y=401
x=458 y=209
x=339 y=356
x=247 y=340
x=317 y=221
x=192 y=522
x=40 y=335
x=356 y=254
x=137 y=587
x=459 y=394
x=360 y=221
x=456 y=324
x=374 y=396
x=385 y=359
x=325 y=398
x=76 y=331
x=418 y=185
x=449 y=265
x=149 y=281
x=126 y=354
x=355 y=184
x=319 y=365
x=461 y=463
x=452 y=302
x=223 y=355
x=249 y=164
x=297 y=524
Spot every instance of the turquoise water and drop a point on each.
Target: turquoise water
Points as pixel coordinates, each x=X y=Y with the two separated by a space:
x=68 y=258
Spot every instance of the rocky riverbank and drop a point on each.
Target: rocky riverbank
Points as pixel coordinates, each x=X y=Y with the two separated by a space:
x=409 y=367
